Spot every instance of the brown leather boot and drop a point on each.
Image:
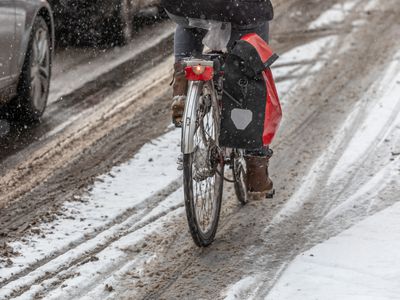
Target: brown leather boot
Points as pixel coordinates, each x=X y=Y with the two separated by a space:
x=180 y=86
x=259 y=185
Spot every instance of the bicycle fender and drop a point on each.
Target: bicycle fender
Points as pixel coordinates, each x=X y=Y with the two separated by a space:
x=190 y=116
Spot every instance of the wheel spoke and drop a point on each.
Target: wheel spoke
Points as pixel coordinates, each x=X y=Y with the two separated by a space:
x=35 y=50
x=205 y=194
x=203 y=168
x=43 y=84
x=43 y=47
x=33 y=88
x=36 y=91
x=44 y=73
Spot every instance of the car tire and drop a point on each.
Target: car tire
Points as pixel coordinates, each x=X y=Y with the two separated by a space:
x=34 y=82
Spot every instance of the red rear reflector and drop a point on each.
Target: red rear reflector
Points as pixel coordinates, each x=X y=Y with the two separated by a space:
x=199 y=73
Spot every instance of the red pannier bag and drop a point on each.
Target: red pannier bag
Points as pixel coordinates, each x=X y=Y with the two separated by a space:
x=251 y=111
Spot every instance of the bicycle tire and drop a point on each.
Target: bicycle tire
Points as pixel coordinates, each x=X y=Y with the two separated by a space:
x=200 y=238
x=203 y=166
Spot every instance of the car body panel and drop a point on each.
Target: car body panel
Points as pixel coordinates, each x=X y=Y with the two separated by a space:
x=7 y=41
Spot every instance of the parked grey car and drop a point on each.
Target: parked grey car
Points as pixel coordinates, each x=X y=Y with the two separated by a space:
x=98 y=21
x=26 y=46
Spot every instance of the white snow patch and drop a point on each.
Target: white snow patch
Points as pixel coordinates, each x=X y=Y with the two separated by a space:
x=336 y=14
x=300 y=65
x=372 y=5
x=381 y=115
x=363 y=262
x=359 y=23
x=116 y=260
x=369 y=191
x=243 y=289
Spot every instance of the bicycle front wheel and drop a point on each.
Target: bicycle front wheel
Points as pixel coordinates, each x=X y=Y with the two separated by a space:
x=203 y=172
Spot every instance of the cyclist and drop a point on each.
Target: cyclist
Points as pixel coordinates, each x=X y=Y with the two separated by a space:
x=245 y=16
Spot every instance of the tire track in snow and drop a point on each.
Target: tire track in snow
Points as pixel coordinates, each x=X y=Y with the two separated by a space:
x=84 y=250
x=300 y=225
x=156 y=162
x=112 y=112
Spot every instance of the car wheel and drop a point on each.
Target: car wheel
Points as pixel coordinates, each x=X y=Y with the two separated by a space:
x=34 y=83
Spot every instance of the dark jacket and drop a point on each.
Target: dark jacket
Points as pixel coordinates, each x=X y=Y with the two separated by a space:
x=242 y=12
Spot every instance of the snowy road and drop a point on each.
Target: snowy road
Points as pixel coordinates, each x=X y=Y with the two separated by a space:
x=95 y=210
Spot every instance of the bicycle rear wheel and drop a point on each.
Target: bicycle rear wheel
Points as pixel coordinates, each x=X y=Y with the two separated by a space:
x=203 y=172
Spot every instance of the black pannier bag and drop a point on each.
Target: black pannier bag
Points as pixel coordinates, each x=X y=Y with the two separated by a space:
x=241 y=12
x=251 y=111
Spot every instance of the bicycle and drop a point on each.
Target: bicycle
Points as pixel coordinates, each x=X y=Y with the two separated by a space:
x=203 y=159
